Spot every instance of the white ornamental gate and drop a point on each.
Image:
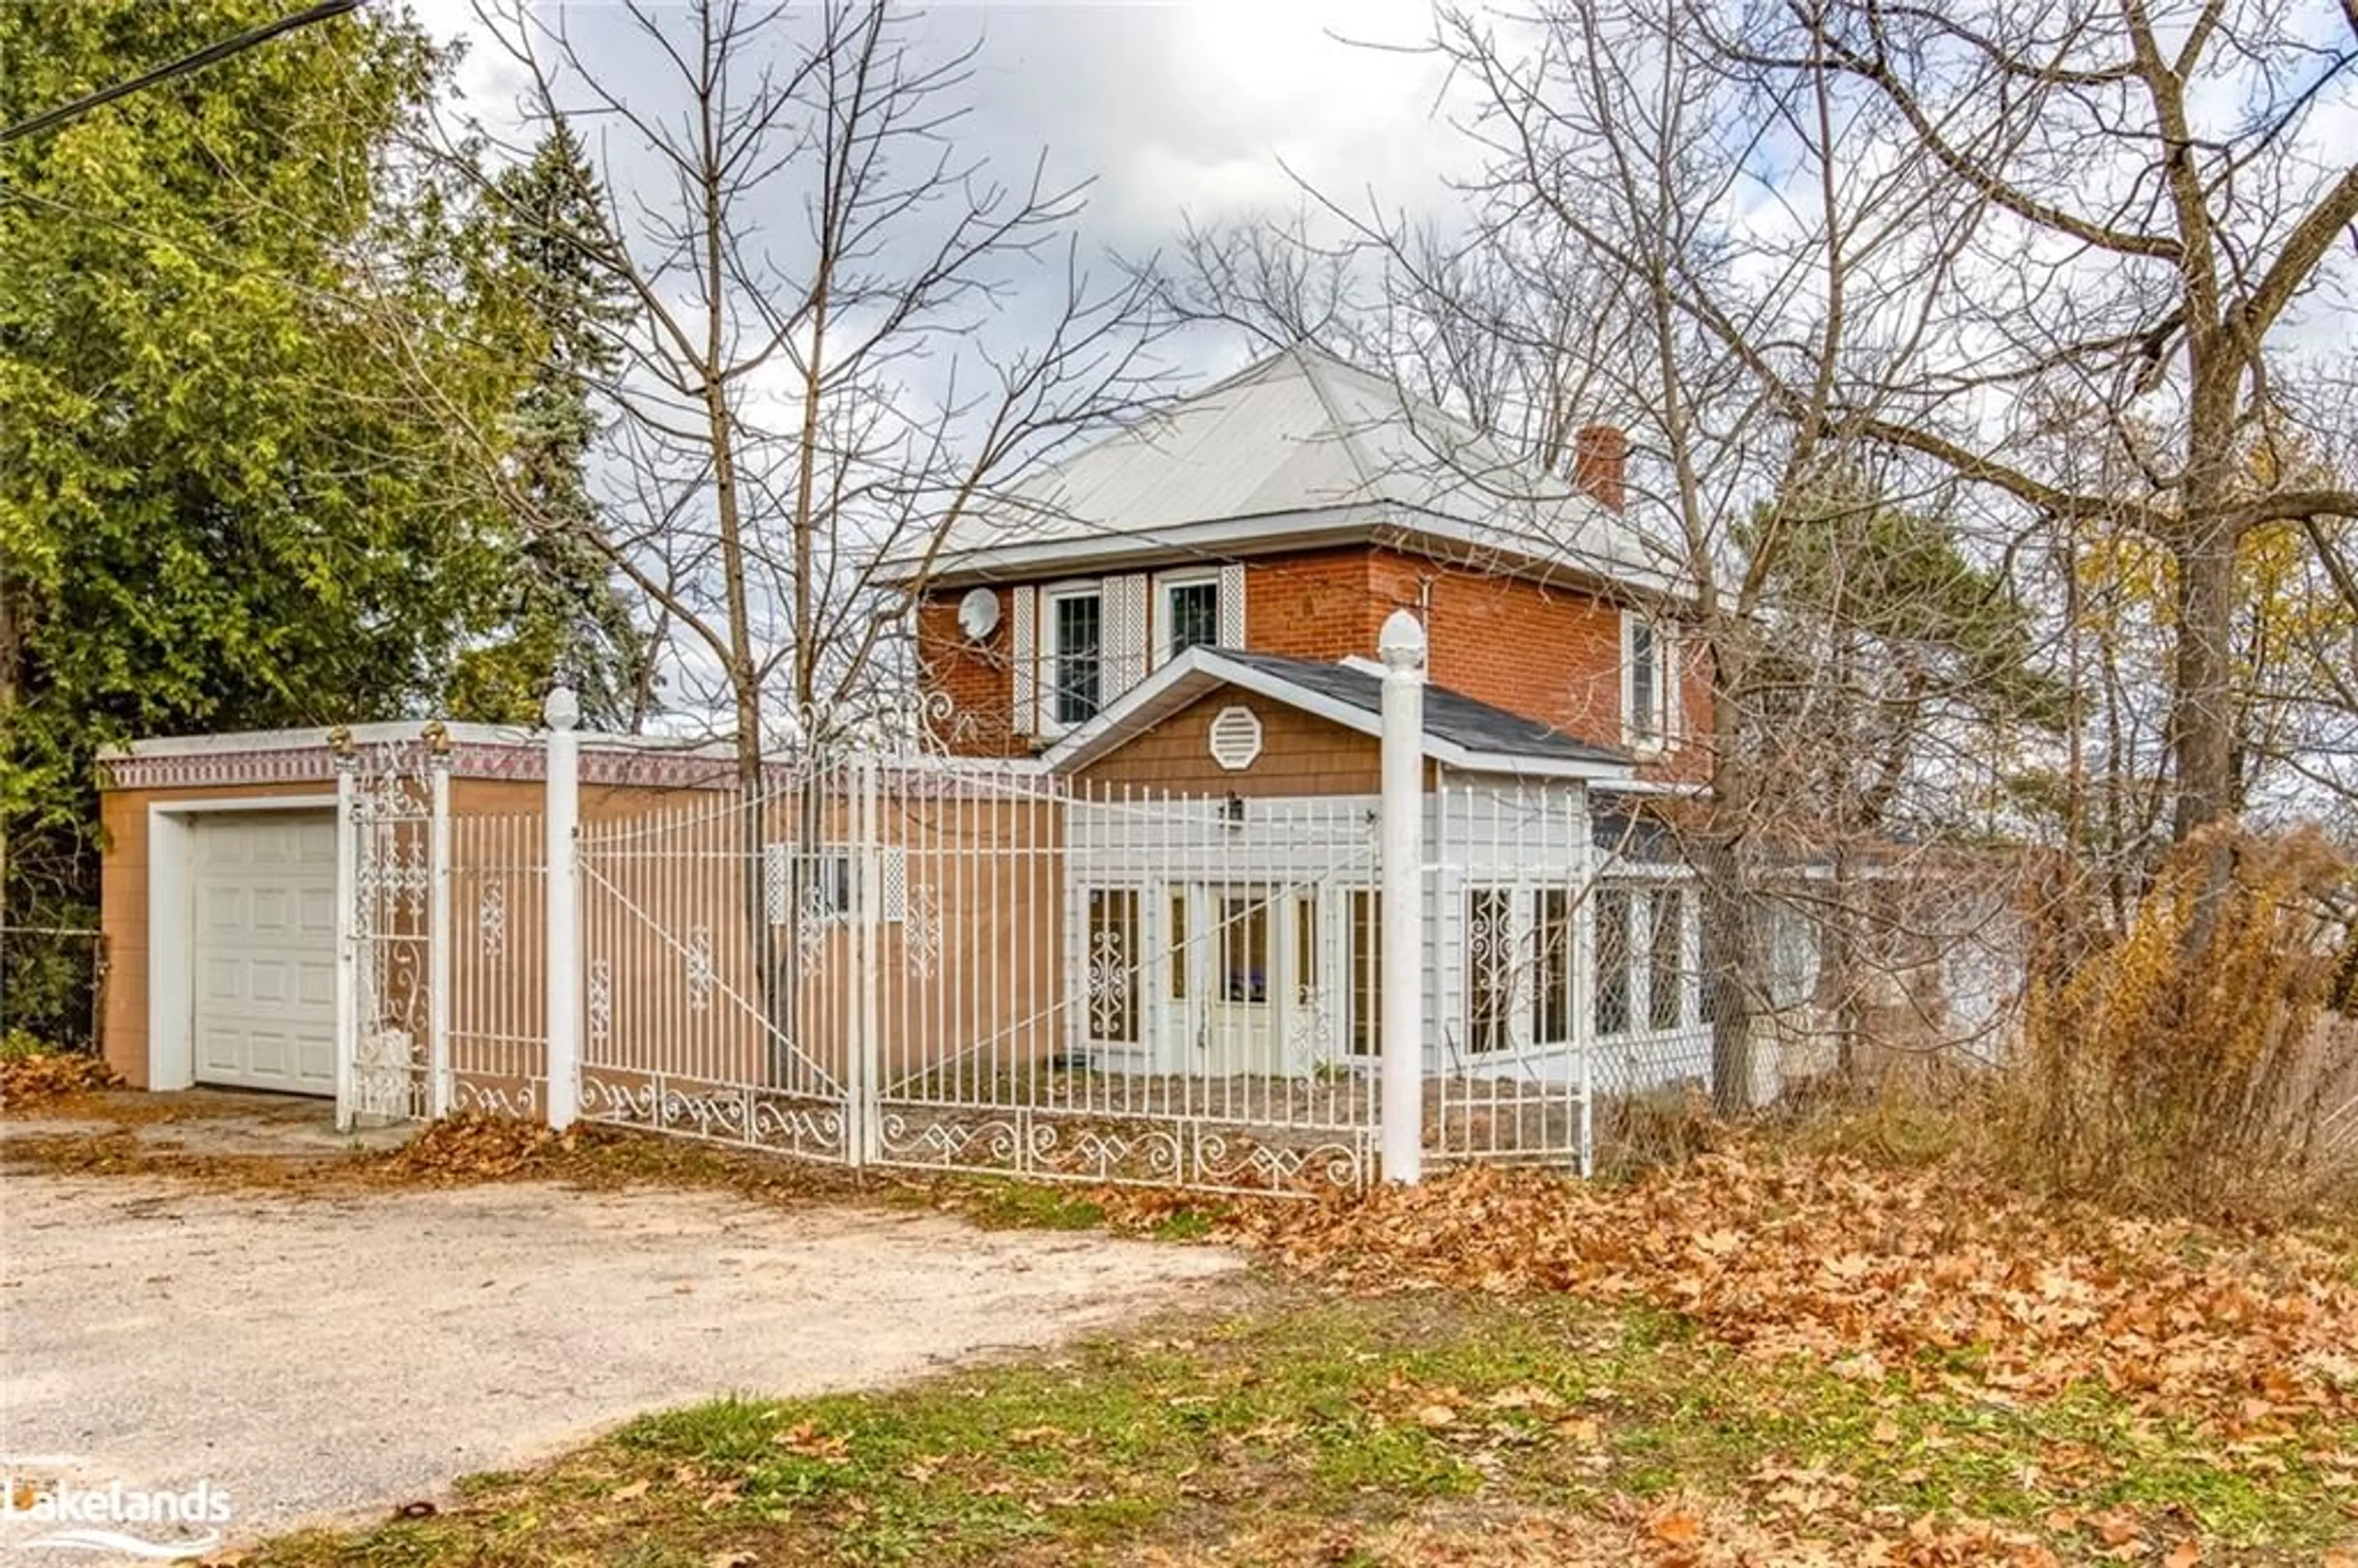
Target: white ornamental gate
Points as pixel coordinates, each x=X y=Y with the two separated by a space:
x=956 y=967
x=965 y=965
x=390 y=803
x=712 y=1003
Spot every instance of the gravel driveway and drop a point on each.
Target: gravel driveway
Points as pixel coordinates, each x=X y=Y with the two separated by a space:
x=317 y=1358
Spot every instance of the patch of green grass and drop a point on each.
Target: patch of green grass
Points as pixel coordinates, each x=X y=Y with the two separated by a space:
x=1329 y=1419
x=22 y=1045
x=1186 y=1225
x=1029 y=1206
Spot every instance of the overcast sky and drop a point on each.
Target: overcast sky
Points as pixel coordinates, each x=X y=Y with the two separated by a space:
x=1197 y=107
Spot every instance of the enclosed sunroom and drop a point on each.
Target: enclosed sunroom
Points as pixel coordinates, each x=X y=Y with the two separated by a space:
x=1222 y=874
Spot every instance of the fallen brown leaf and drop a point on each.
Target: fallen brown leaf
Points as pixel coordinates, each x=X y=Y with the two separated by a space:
x=1873 y=1272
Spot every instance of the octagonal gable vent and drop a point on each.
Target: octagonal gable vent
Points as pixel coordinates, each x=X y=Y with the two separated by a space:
x=1236 y=737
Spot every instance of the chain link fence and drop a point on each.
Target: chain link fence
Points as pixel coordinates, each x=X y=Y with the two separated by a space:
x=52 y=987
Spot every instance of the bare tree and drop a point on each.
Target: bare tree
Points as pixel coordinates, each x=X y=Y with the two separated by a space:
x=2151 y=206
x=850 y=335
x=814 y=387
x=1599 y=277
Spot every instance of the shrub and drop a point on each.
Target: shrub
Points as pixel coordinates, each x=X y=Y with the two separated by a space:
x=2187 y=1063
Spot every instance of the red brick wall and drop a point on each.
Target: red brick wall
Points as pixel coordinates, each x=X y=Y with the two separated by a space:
x=1317 y=604
x=1552 y=653
x=1691 y=762
x=977 y=678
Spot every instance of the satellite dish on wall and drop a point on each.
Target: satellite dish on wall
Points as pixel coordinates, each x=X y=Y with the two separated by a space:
x=978 y=613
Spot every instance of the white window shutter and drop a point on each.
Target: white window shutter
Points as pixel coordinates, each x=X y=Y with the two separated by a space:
x=1124 y=630
x=1158 y=630
x=1023 y=655
x=1232 y=605
x=1625 y=667
x=1674 y=708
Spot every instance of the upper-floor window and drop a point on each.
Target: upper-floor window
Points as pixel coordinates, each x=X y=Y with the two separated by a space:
x=1646 y=683
x=1087 y=641
x=1191 y=615
x=1076 y=674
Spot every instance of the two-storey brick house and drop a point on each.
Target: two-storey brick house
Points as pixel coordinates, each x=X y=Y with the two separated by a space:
x=1158 y=860
x=1288 y=511
x=1192 y=607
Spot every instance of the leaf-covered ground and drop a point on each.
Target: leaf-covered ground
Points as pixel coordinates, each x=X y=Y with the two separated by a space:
x=33 y=1077
x=1923 y=1275
x=1763 y=1355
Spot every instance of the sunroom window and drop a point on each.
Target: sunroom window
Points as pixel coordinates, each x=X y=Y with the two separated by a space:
x=1490 y=962
x=1553 y=934
x=1666 y=986
x=1613 y=909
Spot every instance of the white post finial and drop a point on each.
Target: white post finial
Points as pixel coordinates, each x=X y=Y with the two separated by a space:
x=1401 y=644
x=1401 y=1012
x=562 y=708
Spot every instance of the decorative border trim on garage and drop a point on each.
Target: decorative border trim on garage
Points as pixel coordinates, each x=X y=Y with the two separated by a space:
x=473 y=751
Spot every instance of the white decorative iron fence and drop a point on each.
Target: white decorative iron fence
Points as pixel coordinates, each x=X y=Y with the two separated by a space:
x=968 y=968
x=981 y=967
x=977 y=966
x=496 y=975
x=1121 y=984
x=393 y=798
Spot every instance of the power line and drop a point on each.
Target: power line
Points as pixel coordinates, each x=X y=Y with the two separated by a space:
x=196 y=61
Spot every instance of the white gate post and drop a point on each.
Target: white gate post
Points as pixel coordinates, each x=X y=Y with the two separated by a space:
x=860 y=1060
x=348 y=929
x=562 y=921
x=438 y=927
x=1401 y=646
x=1583 y=974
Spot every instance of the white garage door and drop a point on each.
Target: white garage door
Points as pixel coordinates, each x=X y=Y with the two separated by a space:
x=265 y=950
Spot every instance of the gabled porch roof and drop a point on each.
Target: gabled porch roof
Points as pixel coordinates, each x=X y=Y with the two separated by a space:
x=1459 y=732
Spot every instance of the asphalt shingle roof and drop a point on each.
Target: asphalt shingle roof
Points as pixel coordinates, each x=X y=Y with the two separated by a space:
x=1448 y=715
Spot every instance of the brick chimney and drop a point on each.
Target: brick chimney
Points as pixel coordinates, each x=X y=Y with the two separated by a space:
x=1599 y=455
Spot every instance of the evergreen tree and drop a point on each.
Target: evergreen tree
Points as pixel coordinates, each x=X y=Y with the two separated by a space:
x=566 y=618
x=1897 y=680
x=236 y=336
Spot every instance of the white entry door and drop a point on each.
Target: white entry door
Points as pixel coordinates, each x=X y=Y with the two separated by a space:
x=265 y=958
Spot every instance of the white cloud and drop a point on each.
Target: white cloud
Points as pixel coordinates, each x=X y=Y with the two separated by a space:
x=1197 y=107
